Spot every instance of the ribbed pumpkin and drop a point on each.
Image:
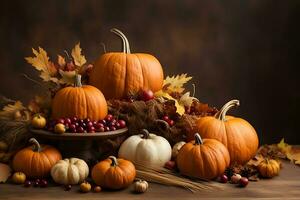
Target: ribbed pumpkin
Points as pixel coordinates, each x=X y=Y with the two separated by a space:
x=37 y=160
x=113 y=173
x=204 y=159
x=236 y=134
x=119 y=74
x=81 y=101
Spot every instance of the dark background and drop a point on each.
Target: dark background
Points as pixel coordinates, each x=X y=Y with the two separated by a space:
x=247 y=50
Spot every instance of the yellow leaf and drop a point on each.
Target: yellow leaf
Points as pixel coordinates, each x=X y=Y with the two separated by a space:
x=187 y=100
x=9 y=111
x=79 y=59
x=68 y=77
x=284 y=147
x=41 y=62
x=61 y=61
x=294 y=157
x=179 y=108
x=175 y=83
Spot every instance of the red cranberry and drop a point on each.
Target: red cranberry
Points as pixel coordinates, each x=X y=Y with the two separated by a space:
x=68 y=121
x=103 y=121
x=243 y=182
x=87 y=120
x=122 y=123
x=223 y=179
x=113 y=128
x=99 y=125
x=106 y=128
x=147 y=95
x=95 y=123
x=43 y=183
x=68 y=187
x=61 y=121
x=74 y=119
x=73 y=130
x=27 y=183
x=72 y=126
x=165 y=118
x=89 y=124
x=101 y=129
x=91 y=129
x=37 y=183
x=118 y=125
x=170 y=122
x=80 y=129
x=109 y=117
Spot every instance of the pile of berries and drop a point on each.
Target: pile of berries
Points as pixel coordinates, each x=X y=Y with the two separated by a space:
x=168 y=120
x=36 y=183
x=75 y=125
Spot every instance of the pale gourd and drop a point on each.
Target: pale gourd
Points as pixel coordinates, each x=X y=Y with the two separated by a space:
x=70 y=171
x=146 y=148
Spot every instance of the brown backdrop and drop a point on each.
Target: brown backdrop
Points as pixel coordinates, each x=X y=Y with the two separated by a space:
x=234 y=49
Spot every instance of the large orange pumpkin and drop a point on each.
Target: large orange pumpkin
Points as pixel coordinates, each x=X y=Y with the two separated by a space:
x=113 y=173
x=119 y=74
x=81 y=101
x=37 y=160
x=235 y=133
x=204 y=159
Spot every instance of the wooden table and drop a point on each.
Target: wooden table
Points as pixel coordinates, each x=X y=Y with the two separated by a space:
x=285 y=186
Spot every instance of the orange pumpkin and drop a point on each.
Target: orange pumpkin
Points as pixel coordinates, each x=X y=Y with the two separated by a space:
x=80 y=101
x=113 y=173
x=37 y=160
x=236 y=134
x=120 y=74
x=204 y=159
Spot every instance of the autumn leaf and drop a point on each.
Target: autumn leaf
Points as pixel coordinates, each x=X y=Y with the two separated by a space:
x=61 y=61
x=187 y=100
x=175 y=83
x=68 y=77
x=284 y=147
x=294 y=157
x=41 y=63
x=179 y=108
x=79 y=59
x=9 y=111
x=5 y=172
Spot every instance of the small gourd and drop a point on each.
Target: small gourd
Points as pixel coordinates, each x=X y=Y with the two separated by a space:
x=140 y=186
x=269 y=168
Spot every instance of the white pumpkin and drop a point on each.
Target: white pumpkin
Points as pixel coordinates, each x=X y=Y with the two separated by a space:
x=176 y=148
x=70 y=171
x=146 y=148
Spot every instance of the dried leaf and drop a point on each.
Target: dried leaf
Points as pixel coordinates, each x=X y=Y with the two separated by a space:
x=256 y=160
x=294 y=157
x=179 y=108
x=68 y=77
x=175 y=83
x=9 y=111
x=284 y=147
x=41 y=62
x=187 y=100
x=79 y=59
x=5 y=172
x=61 y=61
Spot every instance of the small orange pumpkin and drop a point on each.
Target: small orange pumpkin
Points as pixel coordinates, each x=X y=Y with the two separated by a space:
x=269 y=168
x=113 y=173
x=204 y=159
x=37 y=160
x=236 y=134
x=80 y=101
x=119 y=74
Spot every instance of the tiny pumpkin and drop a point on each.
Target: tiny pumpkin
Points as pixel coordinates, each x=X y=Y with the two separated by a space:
x=141 y=186
x=146 y=148
x=19 y=178
x=269 y=168
x=85 y=187
x=70 y=171
x=59 y=128
x=83 y=101
x=205 y=159
x=119 y=74
x=37 y=160
x=235 y=133
x=113 y=173
x=38 y=121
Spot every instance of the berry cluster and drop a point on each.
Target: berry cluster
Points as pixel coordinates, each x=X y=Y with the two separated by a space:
x=168 y=120
x=75 y=125
x=36 y=183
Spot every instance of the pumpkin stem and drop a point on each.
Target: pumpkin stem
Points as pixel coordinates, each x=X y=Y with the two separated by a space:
x=194 y=90
x=114 y=161
x=198 y=139
x=221 y=115
x=36 y=144
x=145 y=133
x=126 y=47
x=104 y=48
x=77 y=80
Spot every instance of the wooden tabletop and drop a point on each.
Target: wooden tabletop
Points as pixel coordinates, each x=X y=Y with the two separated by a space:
x=285 y=186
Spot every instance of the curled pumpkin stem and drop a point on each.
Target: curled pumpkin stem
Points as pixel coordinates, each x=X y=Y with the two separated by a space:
x=164 y=123
x=221 y=115
x=126 y=47
x=145 y=133
x=36 y=144
x=198 y=139
x=77 y=80
x=114 y=161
